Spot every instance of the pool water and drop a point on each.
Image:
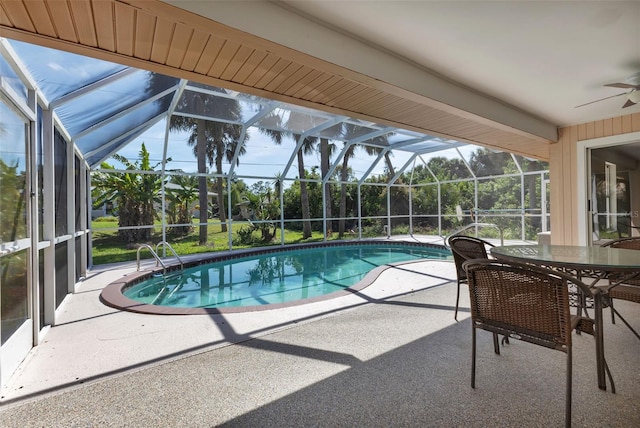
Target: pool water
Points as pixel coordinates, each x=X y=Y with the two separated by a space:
x=276 y=277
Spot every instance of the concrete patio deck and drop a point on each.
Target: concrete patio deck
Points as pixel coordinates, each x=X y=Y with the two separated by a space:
x=391 y=355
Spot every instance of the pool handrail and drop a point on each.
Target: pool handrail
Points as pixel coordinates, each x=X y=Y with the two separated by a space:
x=155 y=256
x=167 y=245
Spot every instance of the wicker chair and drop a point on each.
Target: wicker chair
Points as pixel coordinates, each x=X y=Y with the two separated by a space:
x=466 y=248
x=526 y=303
x=630 y=290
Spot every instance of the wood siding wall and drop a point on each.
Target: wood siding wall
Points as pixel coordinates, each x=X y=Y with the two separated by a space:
x=563 y=166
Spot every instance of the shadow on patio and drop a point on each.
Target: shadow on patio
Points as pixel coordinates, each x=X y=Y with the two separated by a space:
x=397 y=362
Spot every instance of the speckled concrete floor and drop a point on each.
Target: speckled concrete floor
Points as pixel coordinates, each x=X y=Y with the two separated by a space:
x=389 y=356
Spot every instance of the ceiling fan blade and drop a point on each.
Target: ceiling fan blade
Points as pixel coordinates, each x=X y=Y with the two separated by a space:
x=629 y=103
x=623 y=85
x=601 y=99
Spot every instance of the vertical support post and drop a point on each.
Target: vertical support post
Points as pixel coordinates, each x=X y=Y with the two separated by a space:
x=475 y=201
x=90 y=229
x=388 y=211
x=48 y=210
x=85 y=209
x=281 y=199
x=359 y=210
x=439 y=208
x=522 y=207
x=71 y=224
x=229 y=219
x=32 y=220
x=411 y=197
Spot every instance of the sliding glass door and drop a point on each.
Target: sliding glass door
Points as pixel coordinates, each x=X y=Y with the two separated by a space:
x=613 y=192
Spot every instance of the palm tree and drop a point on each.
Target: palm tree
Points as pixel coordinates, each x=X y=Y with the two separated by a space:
x=277 y=184
x=375 y=151
x=344 y=176
x=212 y=142
x=181 y=191
x=298 y=120
x=308 y=147
x=226 y=140
x=135 y=194
x=326 y=150
x=379 y=141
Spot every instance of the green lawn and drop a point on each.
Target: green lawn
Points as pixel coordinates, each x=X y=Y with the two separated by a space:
x=108 y=248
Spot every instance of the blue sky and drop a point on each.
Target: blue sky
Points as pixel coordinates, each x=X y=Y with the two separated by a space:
x=263 y=158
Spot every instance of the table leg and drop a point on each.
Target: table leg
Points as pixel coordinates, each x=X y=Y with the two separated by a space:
x=599 y=336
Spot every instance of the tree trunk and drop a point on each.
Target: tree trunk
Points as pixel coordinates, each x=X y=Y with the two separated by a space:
x=222 y=212
x=201 y=148
x=304 y=198
x=128 y=216
x=387 y=160
x=147 y=219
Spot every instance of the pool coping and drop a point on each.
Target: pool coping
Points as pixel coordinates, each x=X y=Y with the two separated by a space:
x=112 y=295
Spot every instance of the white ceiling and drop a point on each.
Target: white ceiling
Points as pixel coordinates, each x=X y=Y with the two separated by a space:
x=544 y=57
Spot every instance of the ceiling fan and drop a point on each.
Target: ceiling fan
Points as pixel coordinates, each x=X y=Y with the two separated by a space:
x=633 y=96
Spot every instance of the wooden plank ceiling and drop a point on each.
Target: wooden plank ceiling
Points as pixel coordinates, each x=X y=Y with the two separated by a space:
x=156 y=36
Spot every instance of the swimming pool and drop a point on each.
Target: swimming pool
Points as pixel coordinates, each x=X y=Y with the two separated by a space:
x=265 y=278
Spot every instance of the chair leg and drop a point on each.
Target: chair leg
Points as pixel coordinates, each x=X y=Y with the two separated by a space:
x=496 y=344
x=613 y=385
x=455 y=316
x=624 y=321
x=567 y=416
x=613 y=315
x=473 y=357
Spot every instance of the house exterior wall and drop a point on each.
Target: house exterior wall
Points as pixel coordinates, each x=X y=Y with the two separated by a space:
x=563 y=171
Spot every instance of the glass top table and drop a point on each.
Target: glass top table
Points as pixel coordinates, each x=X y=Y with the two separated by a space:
x=581 y=261
x=572 y=257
